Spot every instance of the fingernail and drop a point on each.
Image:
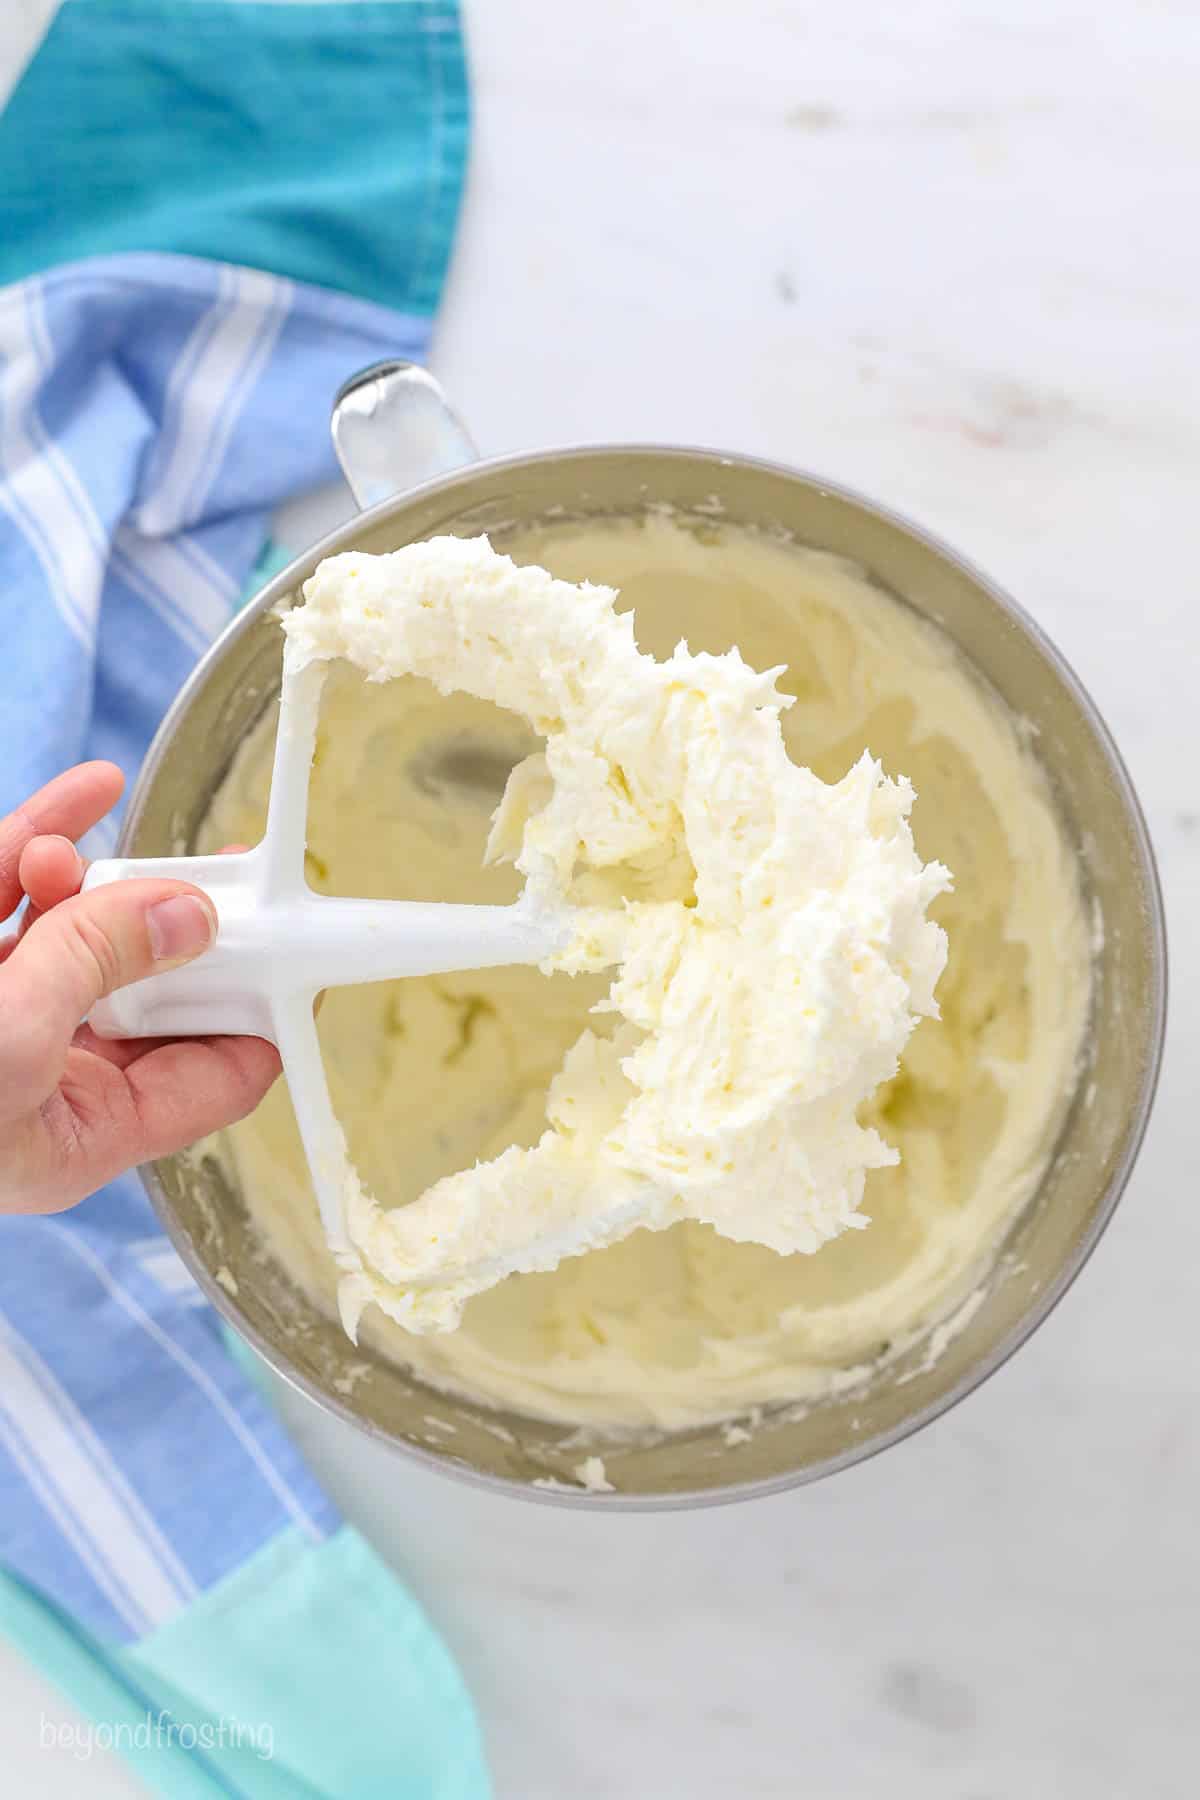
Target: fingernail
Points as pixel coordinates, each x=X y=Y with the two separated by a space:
x=180 y=927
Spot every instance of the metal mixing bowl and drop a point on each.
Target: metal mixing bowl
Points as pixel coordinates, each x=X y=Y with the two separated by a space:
x=395 y=419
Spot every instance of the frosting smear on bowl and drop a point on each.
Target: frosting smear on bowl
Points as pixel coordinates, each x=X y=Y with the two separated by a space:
x=430 y=1076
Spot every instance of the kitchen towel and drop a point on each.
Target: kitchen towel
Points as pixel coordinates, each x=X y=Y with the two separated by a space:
x=213 y=211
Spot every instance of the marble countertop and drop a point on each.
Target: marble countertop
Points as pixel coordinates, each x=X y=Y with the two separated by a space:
x=947 y=254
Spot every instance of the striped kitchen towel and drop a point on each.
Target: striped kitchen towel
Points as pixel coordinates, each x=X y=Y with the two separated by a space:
x=171 y=1560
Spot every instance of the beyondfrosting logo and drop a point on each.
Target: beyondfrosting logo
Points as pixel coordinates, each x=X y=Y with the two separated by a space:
x=155 y=1731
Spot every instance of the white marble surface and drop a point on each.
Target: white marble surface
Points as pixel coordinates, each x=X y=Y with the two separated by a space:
x=945 y=252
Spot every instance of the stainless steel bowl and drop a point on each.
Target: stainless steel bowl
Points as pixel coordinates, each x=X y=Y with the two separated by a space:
x=393 y=418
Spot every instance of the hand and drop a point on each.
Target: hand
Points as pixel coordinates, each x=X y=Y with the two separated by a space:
x=75 y=1109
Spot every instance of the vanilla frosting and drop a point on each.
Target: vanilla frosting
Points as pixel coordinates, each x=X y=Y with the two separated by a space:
x=430 y=1075
x=767 y=930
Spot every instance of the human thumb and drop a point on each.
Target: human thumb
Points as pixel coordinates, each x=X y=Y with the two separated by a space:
x=73 y=956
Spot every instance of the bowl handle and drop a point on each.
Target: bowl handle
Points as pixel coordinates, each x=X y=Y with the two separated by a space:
x=393 y=428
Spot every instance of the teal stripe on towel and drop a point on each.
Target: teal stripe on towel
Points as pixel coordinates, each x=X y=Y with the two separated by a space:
x=323 y=141
x=307 y=1674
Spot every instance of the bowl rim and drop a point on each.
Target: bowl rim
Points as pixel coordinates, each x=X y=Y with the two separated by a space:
x=1047 y=1298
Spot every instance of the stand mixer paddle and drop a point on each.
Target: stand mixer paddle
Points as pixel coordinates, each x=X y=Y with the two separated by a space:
x=279 y=944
